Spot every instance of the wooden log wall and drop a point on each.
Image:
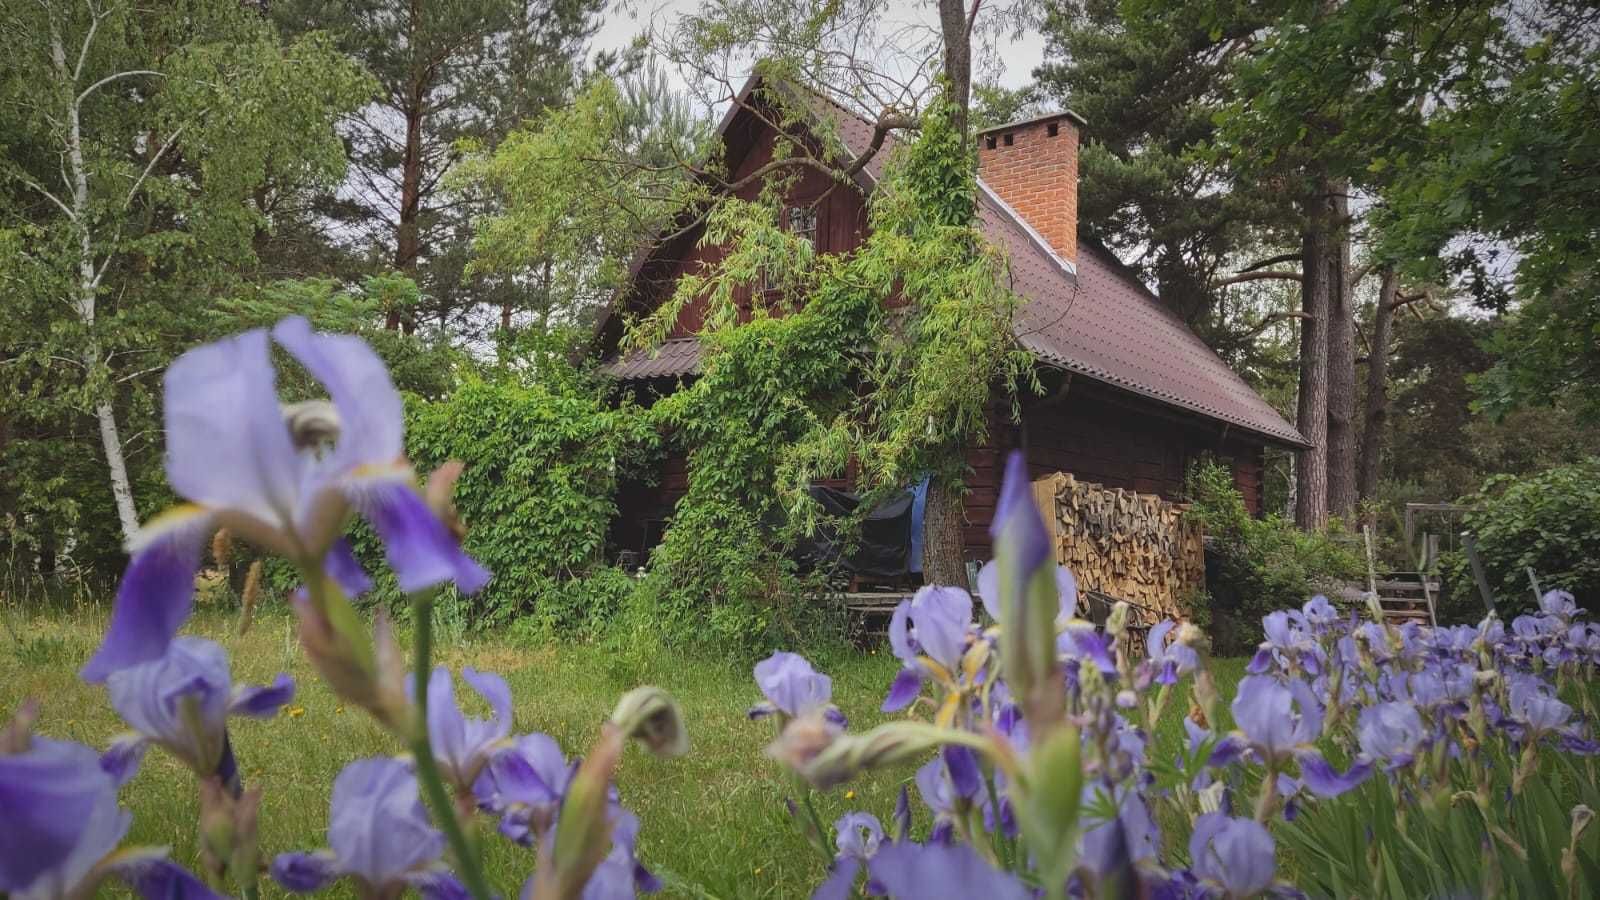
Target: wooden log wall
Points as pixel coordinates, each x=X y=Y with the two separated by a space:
x=1133 y=546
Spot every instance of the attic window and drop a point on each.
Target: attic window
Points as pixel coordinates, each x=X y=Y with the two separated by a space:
x=989 y=142
x=1053 y=129
x=802 y=221
x=1008 y=139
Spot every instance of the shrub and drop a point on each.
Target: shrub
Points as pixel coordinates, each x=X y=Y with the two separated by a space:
x=1549 y=521
x=1254 y=566
x=542 y=465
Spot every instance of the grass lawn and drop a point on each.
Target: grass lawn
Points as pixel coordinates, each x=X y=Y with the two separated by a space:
x=714 y=822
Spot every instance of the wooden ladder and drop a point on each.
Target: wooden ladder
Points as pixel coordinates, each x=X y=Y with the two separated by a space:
x=1402 y=596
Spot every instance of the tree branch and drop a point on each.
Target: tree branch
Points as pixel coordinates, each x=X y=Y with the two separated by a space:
x=51 y=197
x=1270 y=320
x=113 y=77
x=1258 y=276
x=1270 y=261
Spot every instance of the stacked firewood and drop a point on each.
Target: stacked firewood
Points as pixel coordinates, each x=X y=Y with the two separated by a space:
x=1136 y=547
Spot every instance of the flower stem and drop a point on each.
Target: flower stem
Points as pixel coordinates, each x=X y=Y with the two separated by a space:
x=471 y=868
x=816 y=825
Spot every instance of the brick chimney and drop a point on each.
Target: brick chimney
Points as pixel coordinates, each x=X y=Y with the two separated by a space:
x=1033 y=166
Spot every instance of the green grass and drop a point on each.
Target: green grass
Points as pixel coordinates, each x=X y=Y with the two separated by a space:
x=714 y=822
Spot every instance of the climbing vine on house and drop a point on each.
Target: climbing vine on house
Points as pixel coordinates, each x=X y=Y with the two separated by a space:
x=887 y=357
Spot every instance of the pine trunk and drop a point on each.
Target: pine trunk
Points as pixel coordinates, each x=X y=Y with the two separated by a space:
x=957 y=32
x=1342 y=495
x=1311 y=475
x=407 y=241
x=1377 y=402
x=943 y=550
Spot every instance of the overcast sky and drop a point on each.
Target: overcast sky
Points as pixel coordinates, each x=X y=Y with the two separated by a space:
x=623 y=20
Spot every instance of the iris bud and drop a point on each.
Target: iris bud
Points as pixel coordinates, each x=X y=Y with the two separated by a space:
x=650 y=715
x=1053 y=802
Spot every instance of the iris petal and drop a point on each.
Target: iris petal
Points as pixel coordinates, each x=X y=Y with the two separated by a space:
x=302 y=873
x=227 y=446
x=261 y=701
x=438 y=884
x=371 y=416
x=941 y=872
x=1322 y=779
x=378 y=828
x=419 y=547
x=154 y=877
x=841 y=880
x=156 y=594
x=61 y=814
x=907 y=684
x=342 y=566
x=121 y=760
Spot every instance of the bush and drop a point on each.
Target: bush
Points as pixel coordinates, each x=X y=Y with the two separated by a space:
x=1254 y=566
x=1549 y=521
x=542 y=465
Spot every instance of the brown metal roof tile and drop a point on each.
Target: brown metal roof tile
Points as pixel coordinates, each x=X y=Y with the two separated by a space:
x=675 y=358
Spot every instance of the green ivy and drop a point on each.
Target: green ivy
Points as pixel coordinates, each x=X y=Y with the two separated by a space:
x=543 y=461
x=816 y=372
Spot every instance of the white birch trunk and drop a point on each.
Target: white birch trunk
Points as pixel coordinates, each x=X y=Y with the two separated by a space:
x=83 y=304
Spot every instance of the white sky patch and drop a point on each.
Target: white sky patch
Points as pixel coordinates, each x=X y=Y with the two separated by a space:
x=1012 y=59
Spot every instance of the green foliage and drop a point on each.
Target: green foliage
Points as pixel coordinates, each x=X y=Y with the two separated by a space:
x=1548 y=520
x=195 y=127
x=542 y=464
x=447 y=73
x=581 y=189
x=1256 y=565
x=1373 y=843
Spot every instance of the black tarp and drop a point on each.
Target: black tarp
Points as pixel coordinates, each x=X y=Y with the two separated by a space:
x=882 y=547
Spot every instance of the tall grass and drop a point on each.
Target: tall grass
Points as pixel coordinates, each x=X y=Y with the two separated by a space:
x=714 y=822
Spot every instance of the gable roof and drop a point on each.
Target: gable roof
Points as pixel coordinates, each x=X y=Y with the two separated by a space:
x=1094 y=318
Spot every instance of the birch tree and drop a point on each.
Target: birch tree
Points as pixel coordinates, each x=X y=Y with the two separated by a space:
x=142 y=147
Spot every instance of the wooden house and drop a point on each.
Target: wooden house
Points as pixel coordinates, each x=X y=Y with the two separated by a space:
x=1133 y=395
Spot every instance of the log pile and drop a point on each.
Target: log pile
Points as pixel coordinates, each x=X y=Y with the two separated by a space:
x=1136 y=547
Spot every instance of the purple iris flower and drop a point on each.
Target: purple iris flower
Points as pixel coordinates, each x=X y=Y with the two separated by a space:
x=1081 y=641
x=1392 y=732
x=1319 y=613
x=1276 y=718
x=619 y=876
x=948 y=783
x=941 y=872
x=181 y=702
x=1536 y=708
x=989 y=591
x=378 y=834
x=858 y=836
x=1558 y=603
x=462 y=745
x=931 y=627
x=231 y=455
x=1109 y=845
x=524 y=785
x=1236 y=856
x=1280 y=721
x=60 y=826
x=1170 y=660
x=794 y=689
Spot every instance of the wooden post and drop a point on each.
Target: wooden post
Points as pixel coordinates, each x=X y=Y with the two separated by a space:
x=1372 y=569
x=1534 y=581
x=1470 y=544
